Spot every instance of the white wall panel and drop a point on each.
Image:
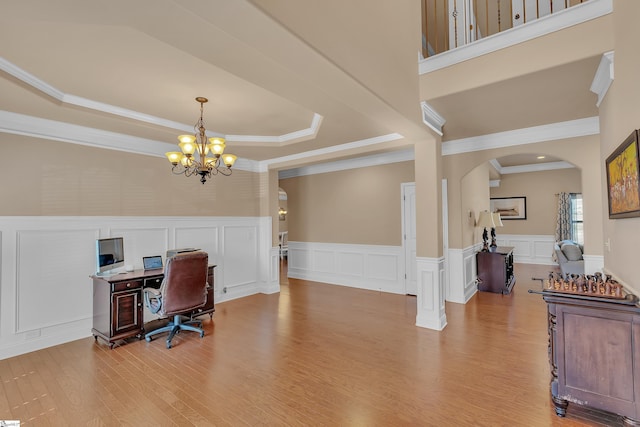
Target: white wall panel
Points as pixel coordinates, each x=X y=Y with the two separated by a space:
x=52 y=275
x=351 y=264
x=373 y=267
x=141 y=242
x=204 y=238
x=324 y=261
x=240 y=255
x=529 y=249
x=45 y=264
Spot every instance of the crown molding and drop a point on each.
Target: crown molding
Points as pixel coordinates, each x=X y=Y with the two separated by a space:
x=253 y=140
x=535 y=167
x=282 y=140
x=571 y=16
x=20 y=124
x=265 y=164
x=603 y=78
x=431 y=118
x=532 y=135
x=340 y=165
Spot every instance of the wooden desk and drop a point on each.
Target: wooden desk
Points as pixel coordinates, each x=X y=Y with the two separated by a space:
x=118 y=303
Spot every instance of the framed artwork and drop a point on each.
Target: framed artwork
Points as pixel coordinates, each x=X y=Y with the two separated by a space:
x=509 y=207
x=622 y=179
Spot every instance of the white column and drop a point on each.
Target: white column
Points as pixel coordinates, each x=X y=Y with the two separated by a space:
x=431 y=293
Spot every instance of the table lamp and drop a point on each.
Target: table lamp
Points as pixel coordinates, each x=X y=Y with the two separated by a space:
x=497 y=223
x=485 y=220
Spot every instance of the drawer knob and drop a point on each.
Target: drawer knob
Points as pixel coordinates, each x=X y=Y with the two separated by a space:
x=128 y=285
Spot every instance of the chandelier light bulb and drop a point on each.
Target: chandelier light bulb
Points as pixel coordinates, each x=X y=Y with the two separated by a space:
x=185 y=163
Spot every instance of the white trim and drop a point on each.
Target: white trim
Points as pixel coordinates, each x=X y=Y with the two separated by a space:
x=529 y=248
x=531 y=135
x=431 y=118
x=373 y=267
x=603 y=78
x=494 y=183
x=462 y=274
x=360 y=162
x=265 y=164
x=253 y=140
x=633 y=288
x=430 y=299
x=536 y=167
x=20 y=124
x=593 y=263
x=279 y=140
x=563 y=19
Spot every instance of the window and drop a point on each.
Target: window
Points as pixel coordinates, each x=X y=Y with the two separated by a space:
x=577 y=230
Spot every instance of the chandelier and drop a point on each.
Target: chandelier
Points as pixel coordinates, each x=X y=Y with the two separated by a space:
x=204 y=166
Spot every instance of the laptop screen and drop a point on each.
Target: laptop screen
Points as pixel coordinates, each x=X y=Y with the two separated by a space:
x=152 y=262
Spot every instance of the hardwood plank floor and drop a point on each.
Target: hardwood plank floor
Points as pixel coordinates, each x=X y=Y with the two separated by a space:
x=315 y=354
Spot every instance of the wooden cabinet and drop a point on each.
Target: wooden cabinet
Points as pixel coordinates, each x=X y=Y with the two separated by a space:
x=117 y=308
x=594 y=353
x=495 y=270
x=118 y=303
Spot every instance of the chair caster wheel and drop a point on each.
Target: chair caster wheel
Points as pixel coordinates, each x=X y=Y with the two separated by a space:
x=201 y=334
x=168 y=344
x=148 y=339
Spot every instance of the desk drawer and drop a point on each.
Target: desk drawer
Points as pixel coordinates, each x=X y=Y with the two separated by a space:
x=128 y=284
x=153 y=282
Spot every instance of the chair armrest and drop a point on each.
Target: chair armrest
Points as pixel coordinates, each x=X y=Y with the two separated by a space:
x=153 y=299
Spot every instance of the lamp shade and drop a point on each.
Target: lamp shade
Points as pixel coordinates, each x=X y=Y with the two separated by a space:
x=485 y=220
x=497 y=220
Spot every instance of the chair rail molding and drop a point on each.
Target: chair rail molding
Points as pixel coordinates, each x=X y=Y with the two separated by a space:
x=46 y=263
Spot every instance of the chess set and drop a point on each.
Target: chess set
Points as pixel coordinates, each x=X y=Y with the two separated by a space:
x=595 y=285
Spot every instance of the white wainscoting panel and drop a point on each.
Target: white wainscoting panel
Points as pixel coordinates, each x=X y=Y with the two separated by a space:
x=462 y=274
x=431 y=294
x=373 y=267
x=46 y=295
x=529 y=249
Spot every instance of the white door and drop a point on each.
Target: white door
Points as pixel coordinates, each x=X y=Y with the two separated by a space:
x=409 y=237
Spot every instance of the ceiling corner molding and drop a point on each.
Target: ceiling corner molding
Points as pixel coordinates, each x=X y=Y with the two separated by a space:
x=536 y=167
x=281 y=140
x=266 y=164
x=574 y=15
x=47 y=89
x=496 y=165
x=603 y=78
x=494 y=183
x=551 y=132
x=340 y=165
x=431 y=118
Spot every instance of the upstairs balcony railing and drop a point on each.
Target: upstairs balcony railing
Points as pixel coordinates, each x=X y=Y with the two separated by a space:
x=447 y=24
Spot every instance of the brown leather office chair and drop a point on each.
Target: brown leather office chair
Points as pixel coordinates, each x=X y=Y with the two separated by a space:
x=183 y=289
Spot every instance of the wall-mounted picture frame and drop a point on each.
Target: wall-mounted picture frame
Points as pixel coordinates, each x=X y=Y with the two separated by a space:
x=622 y=179
x=509 y=207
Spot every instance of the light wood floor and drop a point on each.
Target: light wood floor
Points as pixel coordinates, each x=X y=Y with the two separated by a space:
x=315 y=354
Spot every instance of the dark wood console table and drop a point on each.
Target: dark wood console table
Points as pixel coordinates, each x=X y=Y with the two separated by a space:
x=495 y=270
x=594 y=353
x=118 y=303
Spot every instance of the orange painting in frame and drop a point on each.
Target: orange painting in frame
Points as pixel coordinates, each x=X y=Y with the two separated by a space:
x=622 y=179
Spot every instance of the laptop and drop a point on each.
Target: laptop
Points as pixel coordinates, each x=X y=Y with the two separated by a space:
x=152 y=262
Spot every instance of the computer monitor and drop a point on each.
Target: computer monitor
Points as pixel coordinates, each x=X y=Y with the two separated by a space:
x=109 y=255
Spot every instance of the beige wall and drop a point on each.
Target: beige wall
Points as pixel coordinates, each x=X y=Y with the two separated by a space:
x=540 y=189
x=360 y=206
x=475 y=199
x=584 y=152
x=62 y=179
x=619 y=114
